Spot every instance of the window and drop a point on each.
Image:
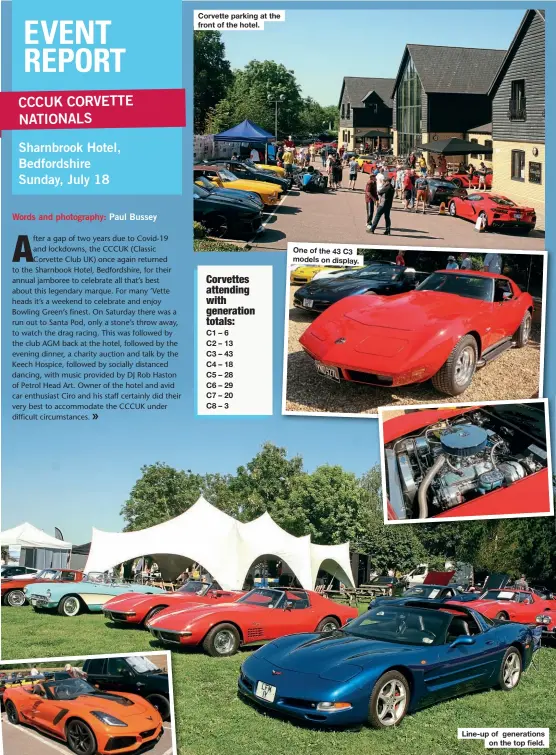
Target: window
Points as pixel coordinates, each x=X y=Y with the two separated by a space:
x=343 y=110
x=349 y=136
x=501 y=287
x=518 y=103
x=408 y=110
x=348 y=113
x=518 y=165
x=95 y=666
x=117 y=667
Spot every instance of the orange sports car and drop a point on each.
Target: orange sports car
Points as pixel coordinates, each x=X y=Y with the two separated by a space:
x=87 y=720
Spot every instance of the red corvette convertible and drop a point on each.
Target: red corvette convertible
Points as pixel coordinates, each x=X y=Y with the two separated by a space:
x=452 y=323
x=496 y=210
x=523 y=606
x=136 y=608
x=474 y=462
x=262 y=614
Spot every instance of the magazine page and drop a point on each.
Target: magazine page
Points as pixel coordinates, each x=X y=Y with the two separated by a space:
x=277 y=378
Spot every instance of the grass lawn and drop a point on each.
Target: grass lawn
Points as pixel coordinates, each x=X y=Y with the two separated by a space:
x=211 y=720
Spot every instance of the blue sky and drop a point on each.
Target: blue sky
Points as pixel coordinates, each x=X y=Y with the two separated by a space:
x=79 y=477
x=323 y=46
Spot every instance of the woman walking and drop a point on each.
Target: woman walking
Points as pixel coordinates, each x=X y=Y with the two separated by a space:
x=338 y=173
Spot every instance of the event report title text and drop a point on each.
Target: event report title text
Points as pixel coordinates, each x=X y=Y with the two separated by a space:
x=54 y=47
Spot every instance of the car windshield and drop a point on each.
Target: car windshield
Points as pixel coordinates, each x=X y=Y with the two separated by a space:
x=502 y=200
x=378 y=272
x=383 y=580
x=69 y=689
x=468 y=286
x=401 y=624
x=102 y=578
x=262 y=596
x=499 y=595
x=422 y=591
x=142 y=665
x=48 y=574
x=195 y=586
x=226 y=175
x=200 y=192
x=205 y=183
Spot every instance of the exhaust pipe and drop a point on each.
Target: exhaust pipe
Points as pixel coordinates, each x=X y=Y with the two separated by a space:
x=425 y=485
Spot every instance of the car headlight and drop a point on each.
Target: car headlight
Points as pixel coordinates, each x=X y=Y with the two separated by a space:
x=48 y=594
x=543 y=619
x=107 y=719
x=331 y=707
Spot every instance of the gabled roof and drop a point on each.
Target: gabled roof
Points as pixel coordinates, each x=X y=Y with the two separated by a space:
x=359 y=87
x=485 y=129
x=452 y=70
x=516 y=41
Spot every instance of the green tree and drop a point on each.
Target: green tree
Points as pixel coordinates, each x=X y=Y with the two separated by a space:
x=316 y=119
x=212 y=75
x=248 y=98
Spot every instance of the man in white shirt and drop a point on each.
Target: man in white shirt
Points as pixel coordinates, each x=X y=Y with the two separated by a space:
x=466 y=262
x=255 y=157
x=379 y=179
x=492 y=263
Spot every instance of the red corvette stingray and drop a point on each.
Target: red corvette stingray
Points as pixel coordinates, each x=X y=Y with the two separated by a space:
x=496 y=210
x=462 y=180
x=451 y=324
x=136 y=608
x=523 y=606
x=260 y=615
x=475 y=462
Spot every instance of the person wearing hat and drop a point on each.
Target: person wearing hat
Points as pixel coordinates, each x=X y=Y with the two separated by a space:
x=452 y=264
x=74 y=672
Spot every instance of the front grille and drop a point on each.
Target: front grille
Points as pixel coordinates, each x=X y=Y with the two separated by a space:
x=168 y=637
x=40 y=599
x=115 y=616
x=296 y=702
x=247 y=682
x=119 y=743
x=367 y=377
x=148 y=733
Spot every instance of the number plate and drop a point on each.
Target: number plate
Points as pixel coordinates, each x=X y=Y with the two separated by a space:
x=308 y=303
x=332 y=373
x=265 y=692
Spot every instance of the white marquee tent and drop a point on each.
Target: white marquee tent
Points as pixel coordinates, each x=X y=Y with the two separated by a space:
x=28 y=536
x=225 y=547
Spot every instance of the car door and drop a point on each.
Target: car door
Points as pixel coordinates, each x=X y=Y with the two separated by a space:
x=299 y=614
x=508 y=308
x=120 y=677
x=474 y=204
x=464 y=668
x=39 y=709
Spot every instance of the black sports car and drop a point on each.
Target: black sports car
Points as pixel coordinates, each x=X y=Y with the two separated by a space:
x=222 y=214
x=442 y=191
x=376 y=278
x=201 y=180
x=242 y=170
x=431 y=592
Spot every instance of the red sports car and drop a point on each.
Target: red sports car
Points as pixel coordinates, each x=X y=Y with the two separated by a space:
x=13 y=589
x=453 y=322
x=136 y=608
x=262 y=614
x=522 y=606
x=496 y=211
x=463 y=180
x=475 y=462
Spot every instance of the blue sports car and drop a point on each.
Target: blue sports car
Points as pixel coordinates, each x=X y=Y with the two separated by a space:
x=393 y=660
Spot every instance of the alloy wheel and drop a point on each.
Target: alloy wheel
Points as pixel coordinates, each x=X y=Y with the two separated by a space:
x=224 y=642
x=512 y=670
x=465 y=366
x=80 y=738
x=16 y=598
x=391 y=703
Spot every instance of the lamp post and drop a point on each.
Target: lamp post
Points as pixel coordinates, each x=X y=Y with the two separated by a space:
x=276 y=100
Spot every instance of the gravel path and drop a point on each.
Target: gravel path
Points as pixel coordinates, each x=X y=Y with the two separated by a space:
x=514 y=375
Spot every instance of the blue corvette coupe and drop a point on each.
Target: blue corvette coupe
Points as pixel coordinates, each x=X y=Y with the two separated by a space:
x=393 y=660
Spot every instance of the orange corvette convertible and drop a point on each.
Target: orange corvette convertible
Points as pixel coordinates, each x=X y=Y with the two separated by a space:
x=87 y=720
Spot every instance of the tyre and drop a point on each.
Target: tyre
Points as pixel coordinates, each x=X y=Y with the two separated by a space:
x=11 y=713
x=389 y=700
x=162 y=705
x=452 y=209
x=510 y=669
x=69 y=606
x=217 y=225
x=524 y=331
x=222 y=640
x=153 y=612
x=457 y=372
x=80 y=738
x=502 y=616
x=329 y=624
x=15 y=598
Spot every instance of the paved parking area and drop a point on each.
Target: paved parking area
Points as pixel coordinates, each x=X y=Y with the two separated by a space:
x=22 y=740
x=514 y=375
x=339 y=217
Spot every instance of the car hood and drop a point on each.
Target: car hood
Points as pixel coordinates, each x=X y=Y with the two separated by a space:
x=255 y=186
x=230 y=200
x=237 y=195
x=177 y=618
x=320 y=653
x=343 y=286
x=122 y=706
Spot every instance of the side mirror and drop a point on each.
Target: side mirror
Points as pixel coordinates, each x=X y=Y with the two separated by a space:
x=288 y=605
x=465 y=639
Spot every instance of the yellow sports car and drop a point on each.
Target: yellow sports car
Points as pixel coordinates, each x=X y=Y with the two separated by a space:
x=306 y=273
x=269 y=193
x=273 y=168
x=364 y=159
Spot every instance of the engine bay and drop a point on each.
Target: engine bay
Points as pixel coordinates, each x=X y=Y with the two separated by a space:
x=457 y=460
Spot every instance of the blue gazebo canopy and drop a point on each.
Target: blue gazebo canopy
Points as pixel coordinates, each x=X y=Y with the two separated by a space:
x=246 y=131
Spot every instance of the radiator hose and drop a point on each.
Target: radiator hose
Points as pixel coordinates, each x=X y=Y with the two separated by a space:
x=425 y=485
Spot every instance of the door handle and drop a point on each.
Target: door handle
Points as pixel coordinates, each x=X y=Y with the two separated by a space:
x=490 y=642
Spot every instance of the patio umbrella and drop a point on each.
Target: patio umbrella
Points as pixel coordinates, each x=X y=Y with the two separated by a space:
x=456 y=147
x=373 y=134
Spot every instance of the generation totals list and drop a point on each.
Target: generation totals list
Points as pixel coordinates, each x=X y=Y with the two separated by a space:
x=56 y=46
